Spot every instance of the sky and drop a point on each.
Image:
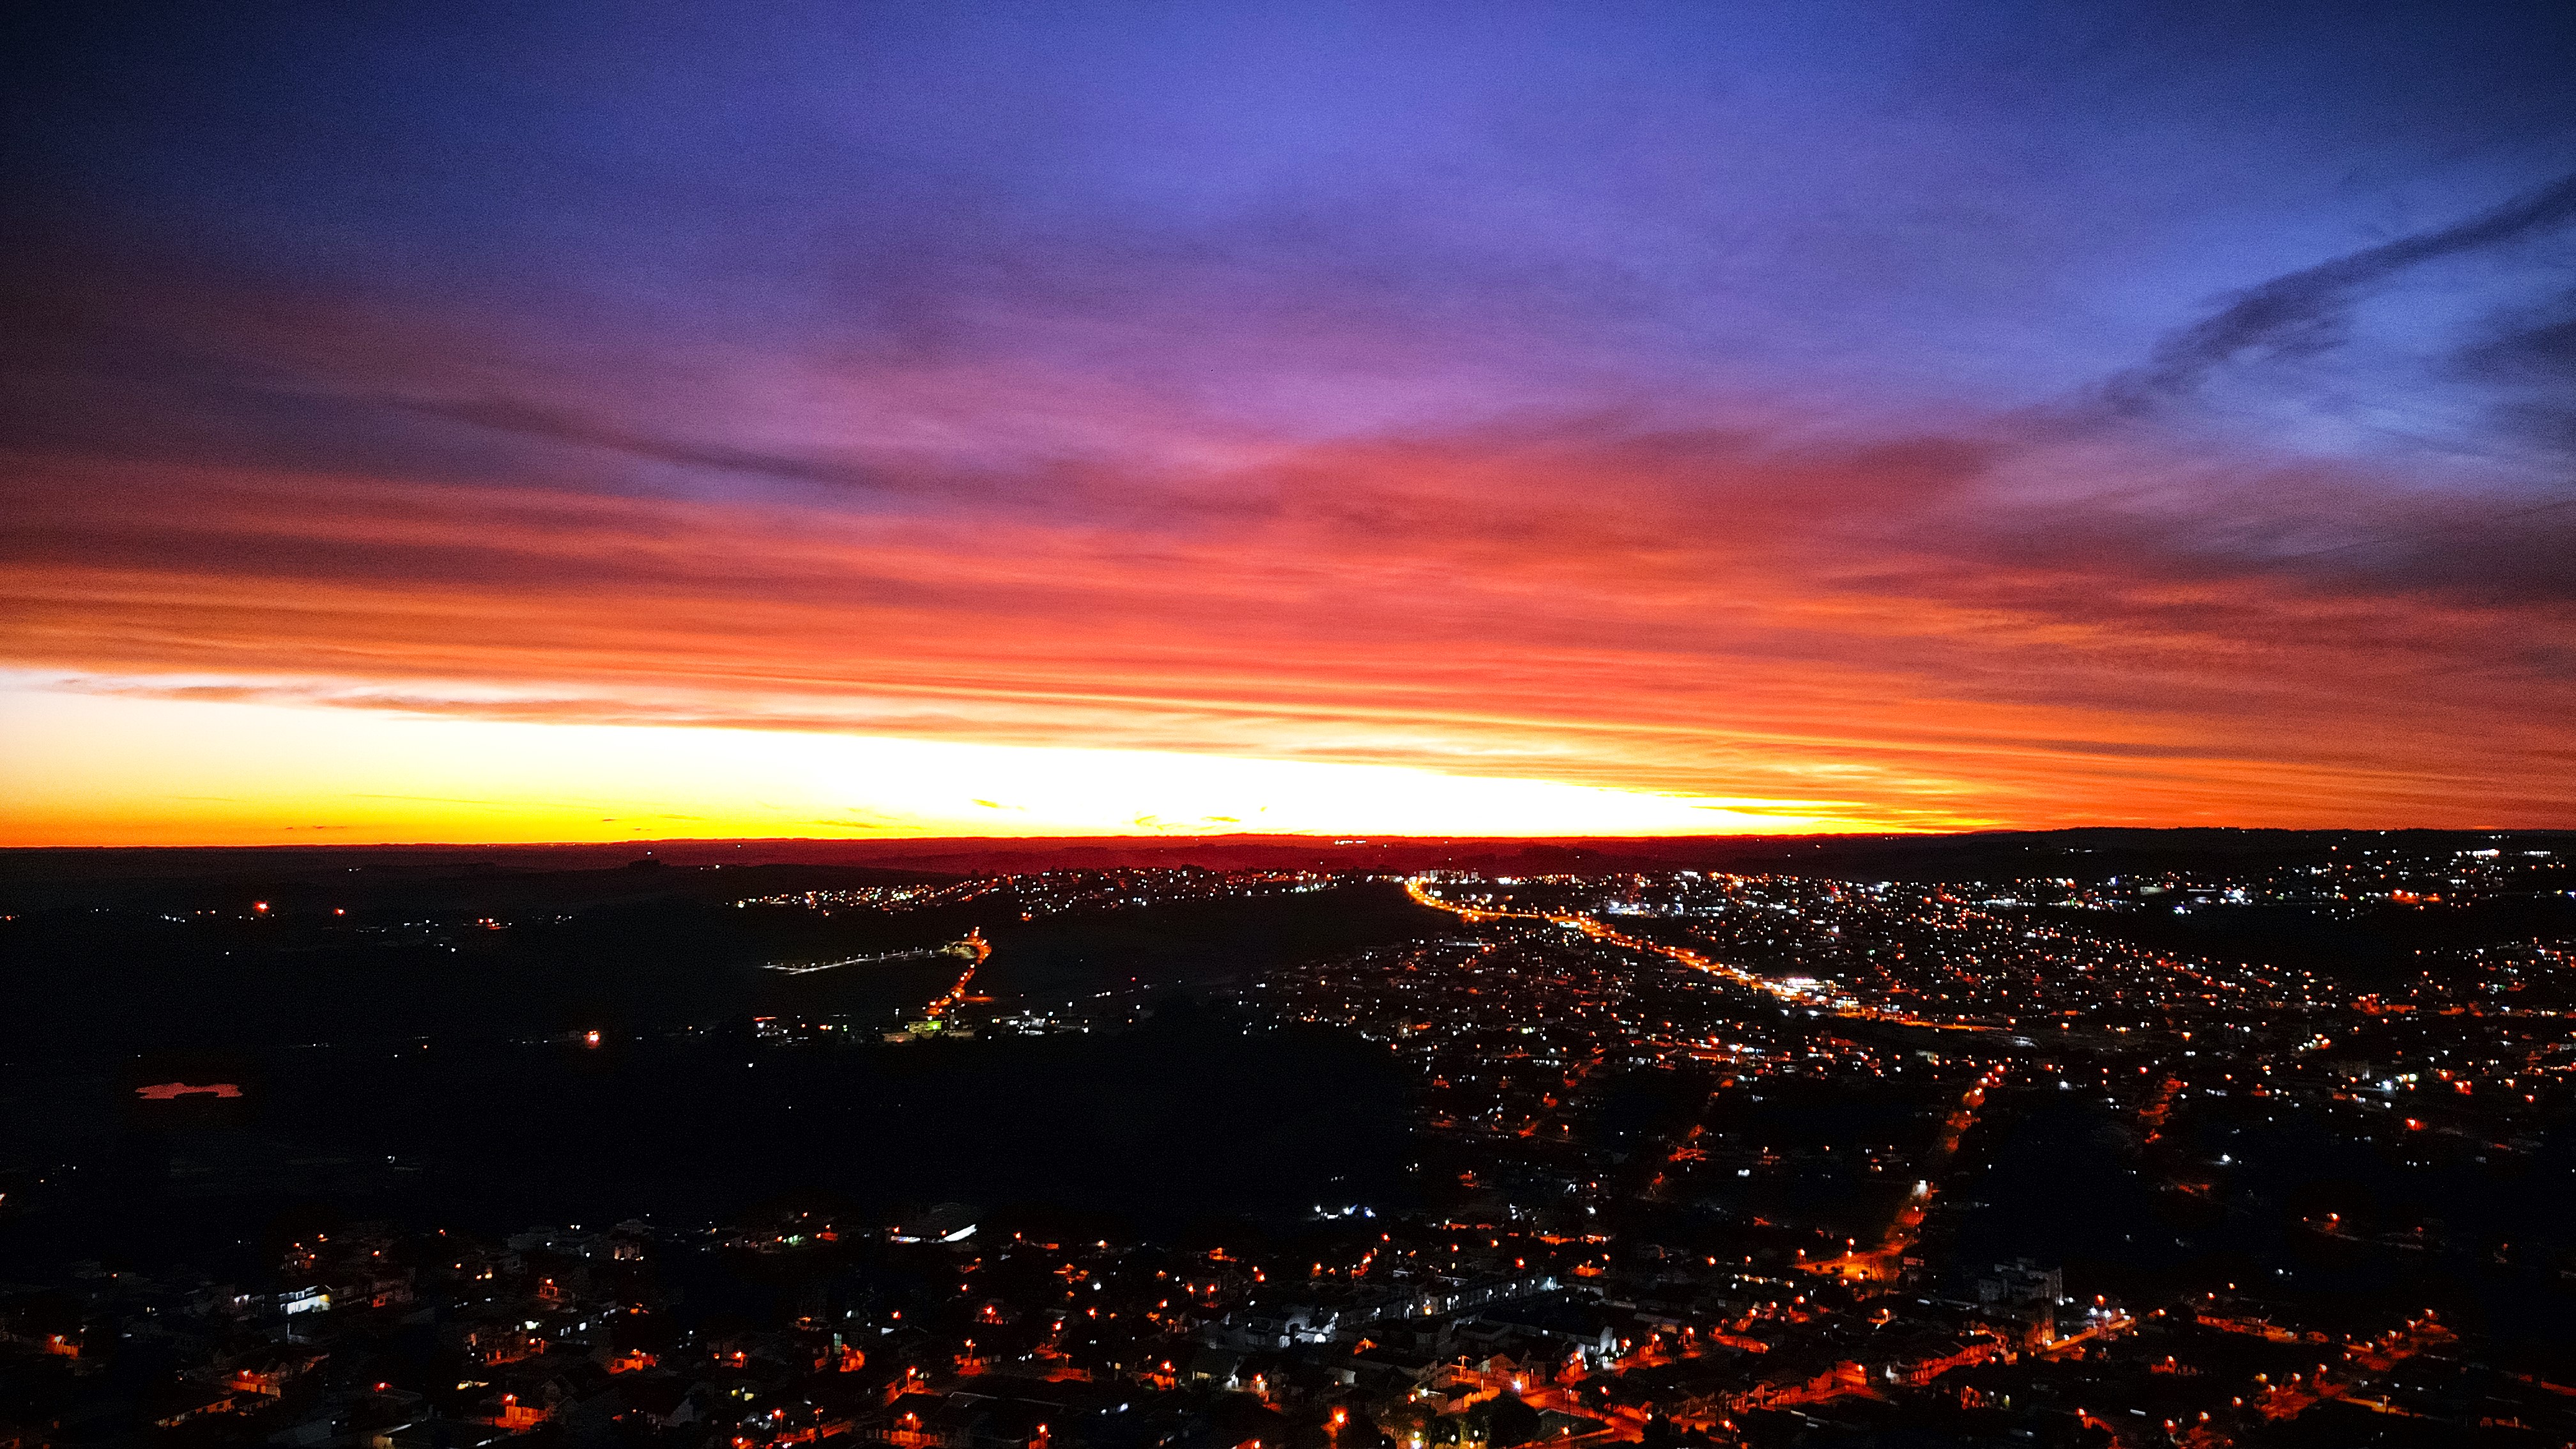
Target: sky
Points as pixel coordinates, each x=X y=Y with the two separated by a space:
x=529 y=421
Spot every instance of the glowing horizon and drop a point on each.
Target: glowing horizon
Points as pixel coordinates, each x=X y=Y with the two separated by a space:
x=321 y=776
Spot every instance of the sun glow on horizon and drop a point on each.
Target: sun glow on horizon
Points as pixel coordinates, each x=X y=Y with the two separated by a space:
x=87 y=769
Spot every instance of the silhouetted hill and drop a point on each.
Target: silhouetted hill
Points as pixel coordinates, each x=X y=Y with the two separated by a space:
x=465 y=875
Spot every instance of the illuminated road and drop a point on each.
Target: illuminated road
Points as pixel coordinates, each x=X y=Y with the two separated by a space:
x=1420 y=890
x=1878 y=1264
x=983 y=951
x=808 y=968
x=1882 y=1264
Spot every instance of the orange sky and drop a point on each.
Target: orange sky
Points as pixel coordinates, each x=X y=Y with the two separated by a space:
x=292 y=656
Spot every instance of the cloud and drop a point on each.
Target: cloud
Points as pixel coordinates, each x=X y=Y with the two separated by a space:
x=532 y=421
x=1203 y=497
x=2528 y=358
x=2028 y=626
x=2305 y=311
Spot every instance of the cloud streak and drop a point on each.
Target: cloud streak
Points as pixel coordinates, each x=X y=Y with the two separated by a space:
x=1692 y=620
x=2305 y=312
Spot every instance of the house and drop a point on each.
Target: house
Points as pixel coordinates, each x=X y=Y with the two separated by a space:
x=435 y=1433
x=1599 y=1333
x=192 y=1401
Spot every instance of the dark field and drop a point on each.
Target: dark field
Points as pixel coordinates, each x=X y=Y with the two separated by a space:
x=422 y=1057
x=613 y=951
x=1161 y=1129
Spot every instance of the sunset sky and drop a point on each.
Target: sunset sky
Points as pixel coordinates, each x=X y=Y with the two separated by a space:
x=534 y=421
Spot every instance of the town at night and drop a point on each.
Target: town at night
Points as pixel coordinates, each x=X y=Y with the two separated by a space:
x=2078 y=1139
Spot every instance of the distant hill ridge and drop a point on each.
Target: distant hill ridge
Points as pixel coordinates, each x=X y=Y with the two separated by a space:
x=48 y=876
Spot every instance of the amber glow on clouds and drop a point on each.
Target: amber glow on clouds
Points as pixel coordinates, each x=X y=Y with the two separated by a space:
x=1564 y=672
x=966 y=420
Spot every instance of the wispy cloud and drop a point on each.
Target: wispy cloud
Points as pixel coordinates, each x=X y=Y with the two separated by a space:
x=2306 y=311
